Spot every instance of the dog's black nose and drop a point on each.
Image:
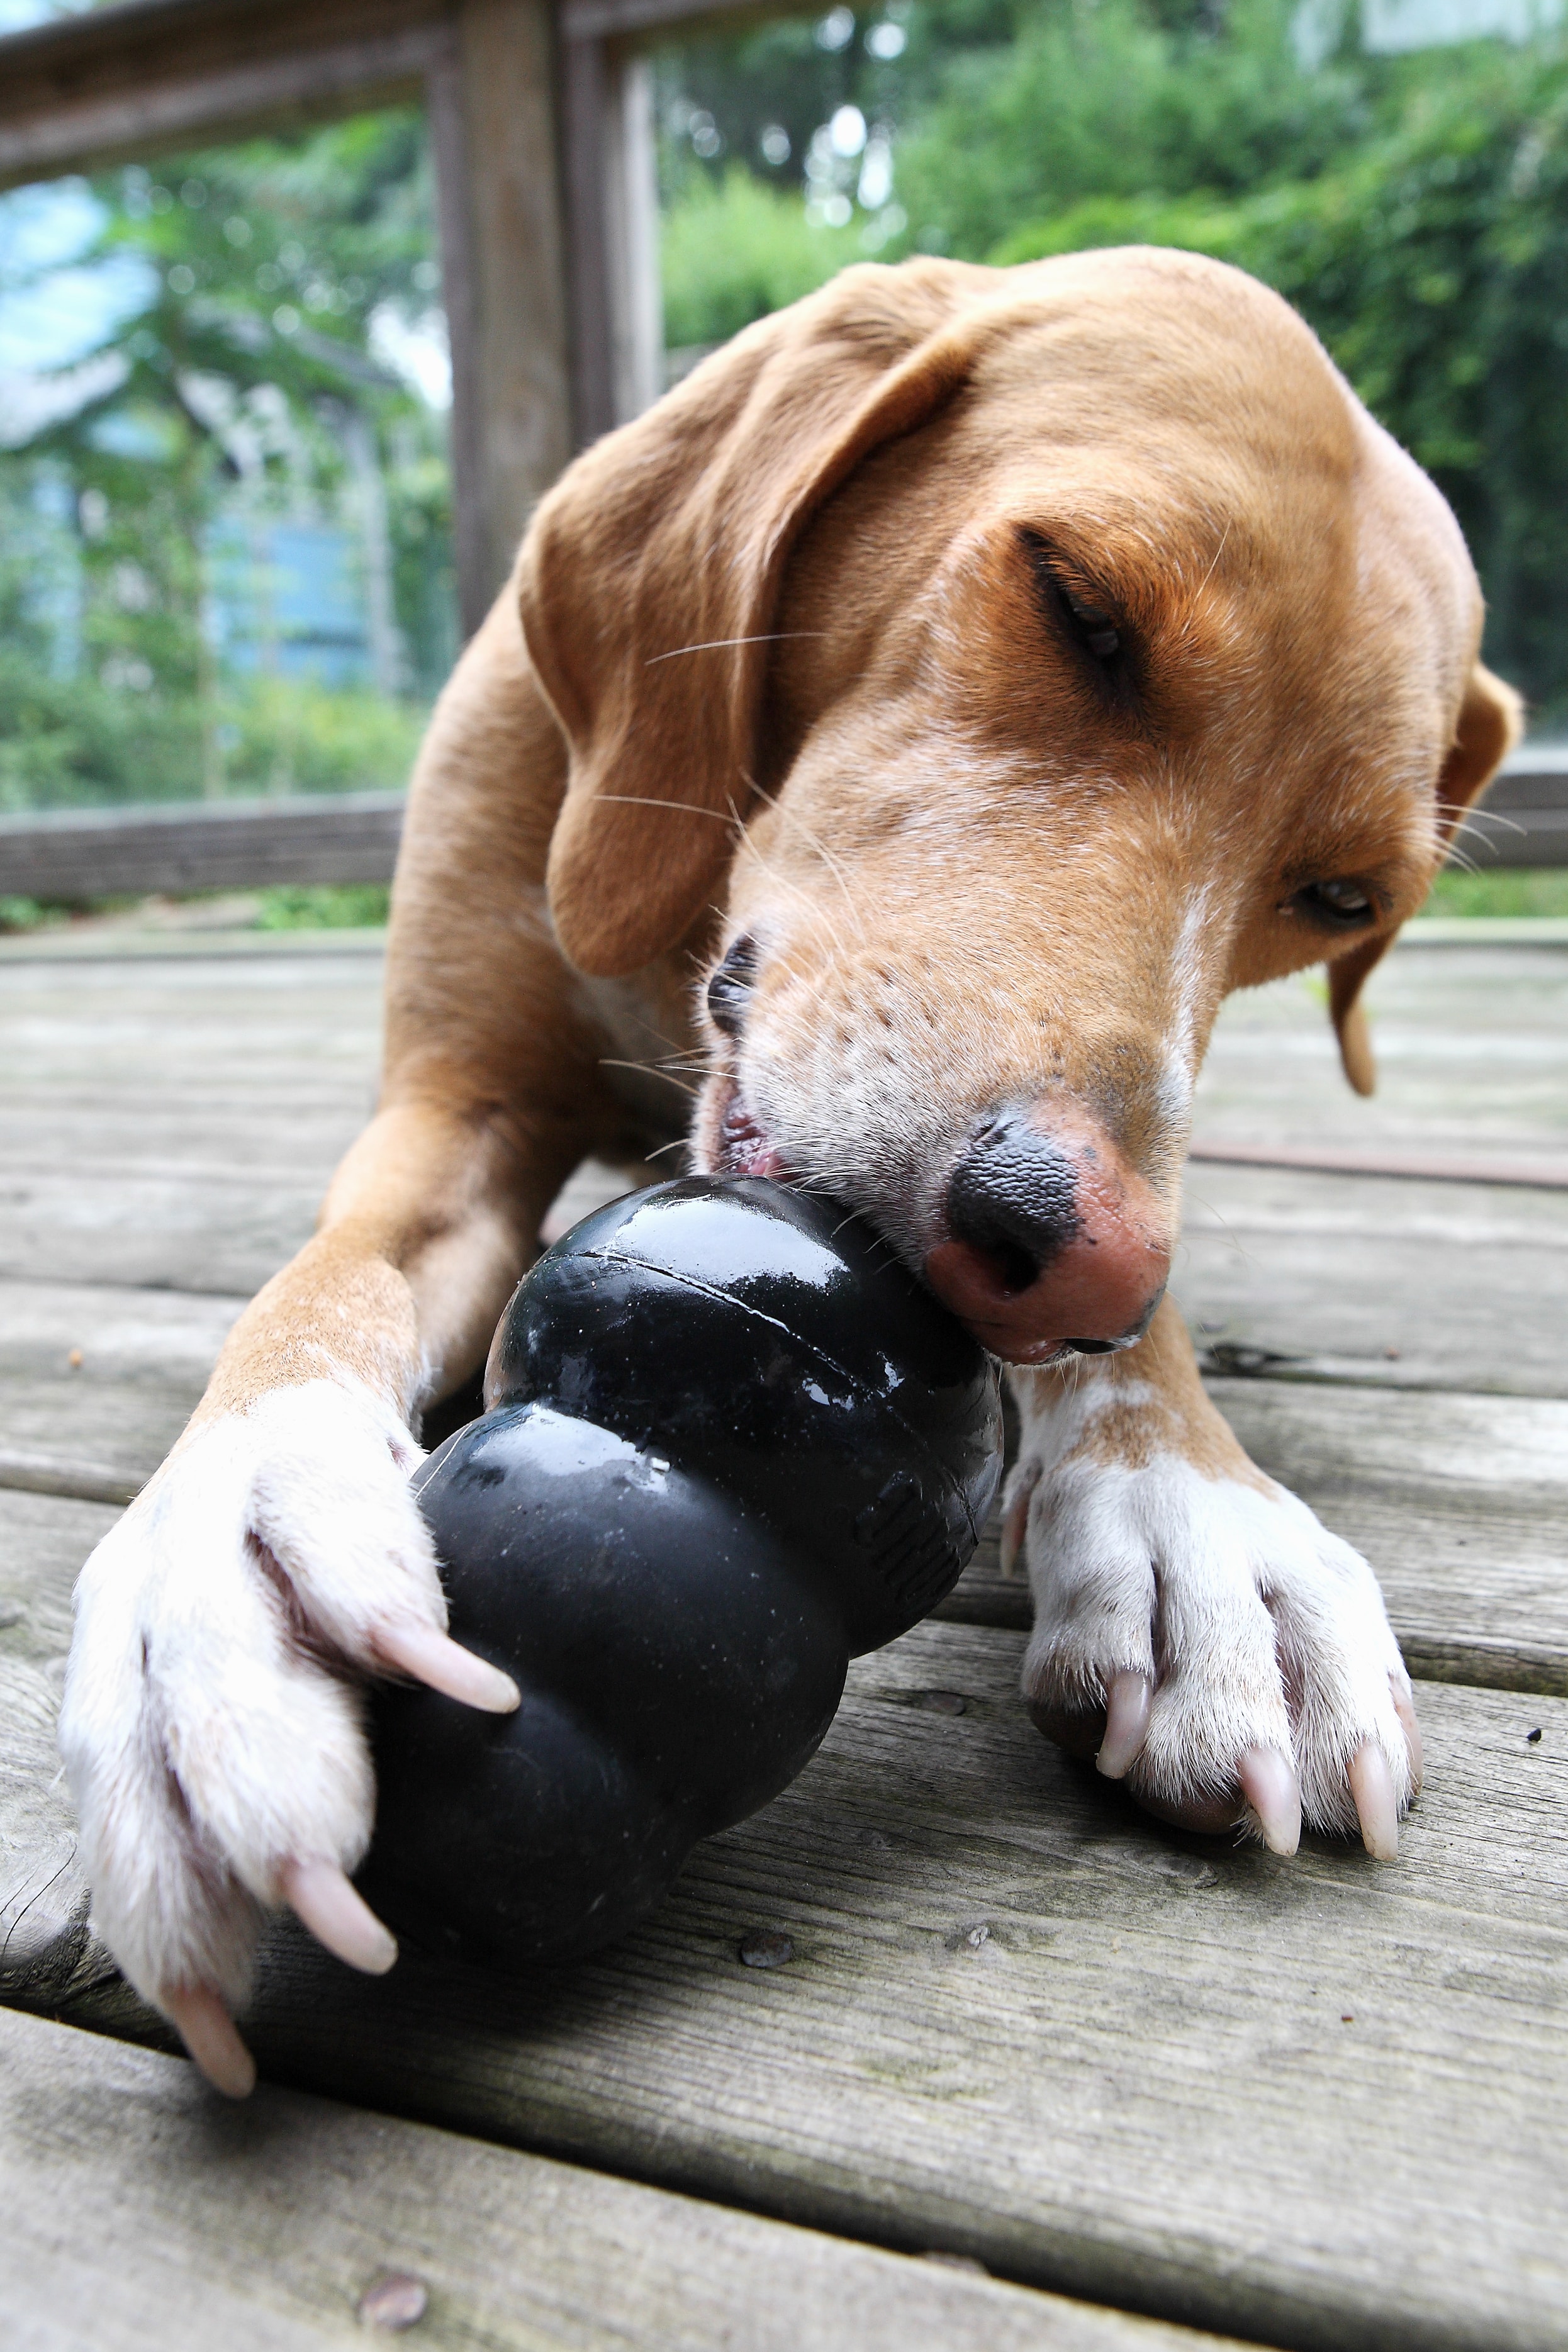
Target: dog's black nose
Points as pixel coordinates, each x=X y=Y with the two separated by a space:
x=731 y=985
x=1053 y=1241
x=1014 y=1195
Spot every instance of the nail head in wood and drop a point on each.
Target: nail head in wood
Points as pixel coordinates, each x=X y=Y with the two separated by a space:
x=392 y=2301
x=763 y=1947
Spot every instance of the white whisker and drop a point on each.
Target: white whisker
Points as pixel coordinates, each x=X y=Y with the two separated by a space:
x=681 y=808
x=647 y=1070
x=717 y=644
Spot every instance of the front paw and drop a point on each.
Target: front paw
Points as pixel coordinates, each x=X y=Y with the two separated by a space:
x=1218 y=1648
x=212 y=1724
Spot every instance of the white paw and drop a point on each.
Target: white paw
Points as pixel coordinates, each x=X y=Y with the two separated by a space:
x=1223 y=1651
x=212 y=1724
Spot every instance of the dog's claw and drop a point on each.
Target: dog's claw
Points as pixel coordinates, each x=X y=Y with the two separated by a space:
x=1371 y=1786
x=1127 y=1705
x=338 y=1916
x=1270 y=1785
x=435 y=1658
x=212 y=2038
x=1404 y=1709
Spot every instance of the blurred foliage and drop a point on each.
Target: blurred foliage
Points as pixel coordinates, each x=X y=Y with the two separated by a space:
x=735 y=250
x=243 y=378
x=1508 y=891
x=329 y=907
x=1415 y=208
x=76 y=742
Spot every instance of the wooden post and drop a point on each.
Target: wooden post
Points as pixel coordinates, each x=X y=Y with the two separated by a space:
x=639 y=312
x=544 y=150
x=502 y=245
x=606 y=107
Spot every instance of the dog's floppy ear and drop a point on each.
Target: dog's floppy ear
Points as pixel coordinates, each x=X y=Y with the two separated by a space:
x=649 y=584
x=1489 y=722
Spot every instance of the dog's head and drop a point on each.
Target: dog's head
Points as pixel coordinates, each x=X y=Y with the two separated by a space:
x=982 y=672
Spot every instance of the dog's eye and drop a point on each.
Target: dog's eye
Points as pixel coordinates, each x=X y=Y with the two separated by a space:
x=1340 y=906
x=731 y=985
x=1096 y=630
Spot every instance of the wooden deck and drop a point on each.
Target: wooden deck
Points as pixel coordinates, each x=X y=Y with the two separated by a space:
x=1318 y=2104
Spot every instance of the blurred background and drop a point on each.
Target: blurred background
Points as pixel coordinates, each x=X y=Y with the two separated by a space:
x=226 y=563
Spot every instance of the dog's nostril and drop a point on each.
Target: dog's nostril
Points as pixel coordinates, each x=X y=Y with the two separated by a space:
x=730 y=986
x=1128 y=1338
x=1015 y=1268
x=1012 y=1195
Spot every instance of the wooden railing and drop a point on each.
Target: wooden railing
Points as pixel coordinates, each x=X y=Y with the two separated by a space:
x=87 y=853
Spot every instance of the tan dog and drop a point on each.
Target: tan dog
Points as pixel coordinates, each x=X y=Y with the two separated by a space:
x=974 y=675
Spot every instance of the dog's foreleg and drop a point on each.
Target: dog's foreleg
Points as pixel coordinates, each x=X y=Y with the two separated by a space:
x=211 y=1723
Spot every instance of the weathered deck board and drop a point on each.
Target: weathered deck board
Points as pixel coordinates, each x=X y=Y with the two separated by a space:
x=1378 y=1280
x=1321 y=2103
x=106 y=1336
x=172 y=1123
x=1330 y=1269
x=141 y=2212
x=43 y=1542
x=44 y=1949
x=1472 y=1047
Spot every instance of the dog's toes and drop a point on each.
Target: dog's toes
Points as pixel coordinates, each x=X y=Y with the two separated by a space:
x=209 y=1748
x=1261 y=1797
x=1358 y=1749
x=1274 y=1697
x=212 y=2038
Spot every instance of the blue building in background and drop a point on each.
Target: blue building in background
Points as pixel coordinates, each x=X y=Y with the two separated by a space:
x=288 y=600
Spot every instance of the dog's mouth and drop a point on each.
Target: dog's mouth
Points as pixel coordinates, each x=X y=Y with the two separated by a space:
x=742 y=1145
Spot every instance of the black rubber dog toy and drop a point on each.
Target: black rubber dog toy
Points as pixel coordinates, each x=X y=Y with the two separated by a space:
x=730 y=1443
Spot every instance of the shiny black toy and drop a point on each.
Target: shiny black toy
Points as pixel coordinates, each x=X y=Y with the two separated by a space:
x=730 y=1443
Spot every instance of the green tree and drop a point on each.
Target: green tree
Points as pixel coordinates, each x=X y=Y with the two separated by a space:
x=242 y=377
x=1415 y=209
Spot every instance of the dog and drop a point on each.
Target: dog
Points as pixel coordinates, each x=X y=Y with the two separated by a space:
x=912 y=726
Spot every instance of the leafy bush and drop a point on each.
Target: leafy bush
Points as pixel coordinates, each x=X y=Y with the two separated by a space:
x=281 y=736
x=1517 y=890
x=734 y=249
x=352 y=906
x=76 y=743
x=1415 y=208
x=238 y=383
x=72 y=742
